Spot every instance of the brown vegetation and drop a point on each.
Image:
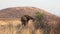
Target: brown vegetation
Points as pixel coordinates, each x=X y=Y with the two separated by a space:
x=10 y=22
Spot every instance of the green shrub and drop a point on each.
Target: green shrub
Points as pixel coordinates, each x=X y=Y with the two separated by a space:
x=39 y=16
x=38 y=23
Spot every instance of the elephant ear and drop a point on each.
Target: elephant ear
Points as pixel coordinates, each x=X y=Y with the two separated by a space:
x=23 y=20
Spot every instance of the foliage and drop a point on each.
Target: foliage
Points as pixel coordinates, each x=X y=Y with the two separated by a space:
x=39 y=16
x=38 y=23
x=41 y=24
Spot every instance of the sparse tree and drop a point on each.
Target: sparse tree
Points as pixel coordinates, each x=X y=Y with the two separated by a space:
x=40 y=24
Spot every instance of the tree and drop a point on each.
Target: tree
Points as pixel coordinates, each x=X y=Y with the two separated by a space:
x=38 y=22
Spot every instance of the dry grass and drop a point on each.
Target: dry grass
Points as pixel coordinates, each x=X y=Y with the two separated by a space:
x=13 y=27
x=8 y=26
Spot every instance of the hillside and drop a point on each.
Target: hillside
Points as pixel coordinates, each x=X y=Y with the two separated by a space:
x=17 y=12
